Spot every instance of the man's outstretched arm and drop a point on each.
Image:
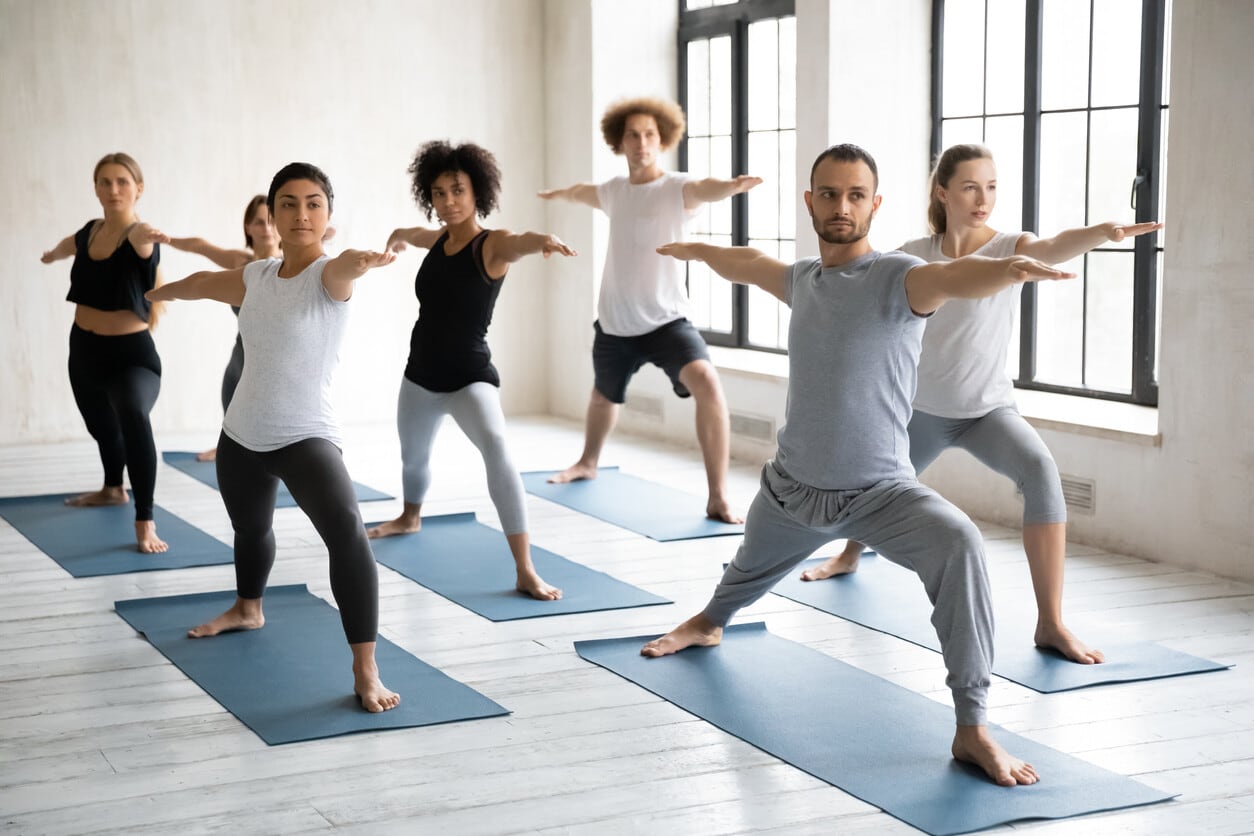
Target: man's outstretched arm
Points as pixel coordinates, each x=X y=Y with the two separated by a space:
x=712 y=189
x=742 y=265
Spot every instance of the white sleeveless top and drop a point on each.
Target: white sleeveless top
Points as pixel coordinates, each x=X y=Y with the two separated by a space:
x=292 y=330
x=962 y=367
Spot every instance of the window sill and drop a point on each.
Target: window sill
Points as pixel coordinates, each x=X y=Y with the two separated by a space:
x=1044 y=410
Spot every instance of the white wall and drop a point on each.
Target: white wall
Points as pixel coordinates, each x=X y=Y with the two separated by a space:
x=212 y=98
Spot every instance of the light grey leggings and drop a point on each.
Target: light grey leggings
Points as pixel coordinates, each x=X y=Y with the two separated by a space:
x=1005 y=442
x=477 y=410
x=904 y=521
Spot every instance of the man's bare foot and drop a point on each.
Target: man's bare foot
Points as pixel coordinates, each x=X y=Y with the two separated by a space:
x=697 y=631
x=720 y=509
x=146 y=537
x=845 y=563
x=575 y=473
x=401 y=525
x=108 y=495
x=208 y=455
x=374 y=696
x=974 y=745
x=1058 y=637
x=529 y=583
x=243 y=615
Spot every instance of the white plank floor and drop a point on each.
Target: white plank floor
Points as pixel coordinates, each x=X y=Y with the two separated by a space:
x=99 y=734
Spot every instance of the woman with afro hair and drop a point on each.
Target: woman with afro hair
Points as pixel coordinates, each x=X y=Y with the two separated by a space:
x=450 y=369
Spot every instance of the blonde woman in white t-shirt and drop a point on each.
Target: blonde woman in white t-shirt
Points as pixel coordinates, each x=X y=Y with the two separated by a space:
x=965 y=398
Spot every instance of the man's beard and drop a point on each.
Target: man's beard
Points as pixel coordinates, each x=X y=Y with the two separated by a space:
x=851 y=235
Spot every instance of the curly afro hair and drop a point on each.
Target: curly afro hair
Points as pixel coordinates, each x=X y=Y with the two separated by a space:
x=668 y=115
x=442 y=157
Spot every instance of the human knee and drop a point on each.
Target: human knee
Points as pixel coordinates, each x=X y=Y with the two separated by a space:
x=958 y=535
x=701 y=379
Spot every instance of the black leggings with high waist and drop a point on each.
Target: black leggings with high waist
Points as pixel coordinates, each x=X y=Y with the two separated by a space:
x=116 y=381
x=314 y=472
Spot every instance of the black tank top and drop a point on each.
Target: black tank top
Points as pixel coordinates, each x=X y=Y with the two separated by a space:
x=448 y=349
x=116 y=283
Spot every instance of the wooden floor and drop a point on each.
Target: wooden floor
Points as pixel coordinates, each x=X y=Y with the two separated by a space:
x=100 y=734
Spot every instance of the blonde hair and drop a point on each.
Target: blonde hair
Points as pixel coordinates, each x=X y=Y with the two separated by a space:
x=119 y=158
x=668 y=115
x=942 y=173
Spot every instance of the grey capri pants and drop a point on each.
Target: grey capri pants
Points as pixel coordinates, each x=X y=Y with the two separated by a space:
x=477 y=410
x=1004 y=441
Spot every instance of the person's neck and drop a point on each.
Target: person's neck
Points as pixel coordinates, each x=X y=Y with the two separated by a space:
x=296 y=259
x=115 y=220
x=268 y=251
x=964 y=240
x=835 y=255
x=462 y=233
x=644 y=174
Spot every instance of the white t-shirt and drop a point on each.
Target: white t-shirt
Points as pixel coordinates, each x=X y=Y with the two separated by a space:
x=640 y=290
x=962 y=367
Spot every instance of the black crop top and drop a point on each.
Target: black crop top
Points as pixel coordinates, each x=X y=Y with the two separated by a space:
x=448 y=348
x=116 y=283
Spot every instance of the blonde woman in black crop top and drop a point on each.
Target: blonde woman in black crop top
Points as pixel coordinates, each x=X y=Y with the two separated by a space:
x=114 y=368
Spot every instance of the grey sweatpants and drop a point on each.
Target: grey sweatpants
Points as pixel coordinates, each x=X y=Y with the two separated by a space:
x=905 y=522
x=477 y=410
x=1004 y=441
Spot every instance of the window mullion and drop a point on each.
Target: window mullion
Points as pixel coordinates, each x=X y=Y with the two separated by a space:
x=740 y=164
x=1033 y=21
x=1145 y=258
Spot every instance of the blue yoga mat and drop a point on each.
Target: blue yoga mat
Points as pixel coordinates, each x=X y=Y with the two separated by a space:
x=100 y=540
x=292 y=679
x=207 y=473
x=881 y=743
x=636 y=504
x=884 y=596
x=470 y=564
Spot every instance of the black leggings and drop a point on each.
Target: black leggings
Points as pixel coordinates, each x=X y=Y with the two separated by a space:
x=314 y=472
x=116 y=381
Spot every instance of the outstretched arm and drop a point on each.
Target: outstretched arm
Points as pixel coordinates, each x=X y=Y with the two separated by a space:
x=414 y=236
x=1070 y=243
x=585 y=193
x=712 y=189
x=143 y=236
x=929 y=286
x=502 y=248
x=219 y=285
x=741 y=265
x=347 y=267
x=224 y=258
x=64 y=249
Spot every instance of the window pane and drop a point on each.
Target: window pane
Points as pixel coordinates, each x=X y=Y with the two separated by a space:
x=1004 y=91
x=698 y=88
x=1062 y=172
x=764 y=199
x=1112 y=168
x=788 y=72
x=1060 y=329
x=699 y=156
x=763 y=75
x=962 y=76
x=1004 y=137
x=959 y=131
x=786 y=183
x=1012 y=351
x=720 y=85
x=1117 y=48
x=1108 y=356
x=1065 y=54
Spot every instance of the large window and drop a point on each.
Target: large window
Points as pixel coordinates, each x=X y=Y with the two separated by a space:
x=1070 y=95
x=737 y=80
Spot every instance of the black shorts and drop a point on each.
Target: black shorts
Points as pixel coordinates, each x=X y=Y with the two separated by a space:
x=671 y=347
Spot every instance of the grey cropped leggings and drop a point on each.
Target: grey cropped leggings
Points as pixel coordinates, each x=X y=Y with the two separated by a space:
x=477 y=410
x=904 y=521
x=1005 y=442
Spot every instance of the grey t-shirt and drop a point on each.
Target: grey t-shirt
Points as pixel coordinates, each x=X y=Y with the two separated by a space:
x=853 y=354
x=292 y=331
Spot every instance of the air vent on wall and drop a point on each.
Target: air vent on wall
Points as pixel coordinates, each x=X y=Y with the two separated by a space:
x=752 y=426
x=645 y=405
x=1080 y=494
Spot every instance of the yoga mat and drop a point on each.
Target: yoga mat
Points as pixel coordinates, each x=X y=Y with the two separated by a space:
x=890 y=598
x=470 y=564
x=636 y=504
x=292 y=679
x=875 y=740
x=207 y=473
x=100 y=540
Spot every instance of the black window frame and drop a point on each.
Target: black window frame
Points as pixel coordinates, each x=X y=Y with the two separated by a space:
x=1144 y=190
x=732 y=19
